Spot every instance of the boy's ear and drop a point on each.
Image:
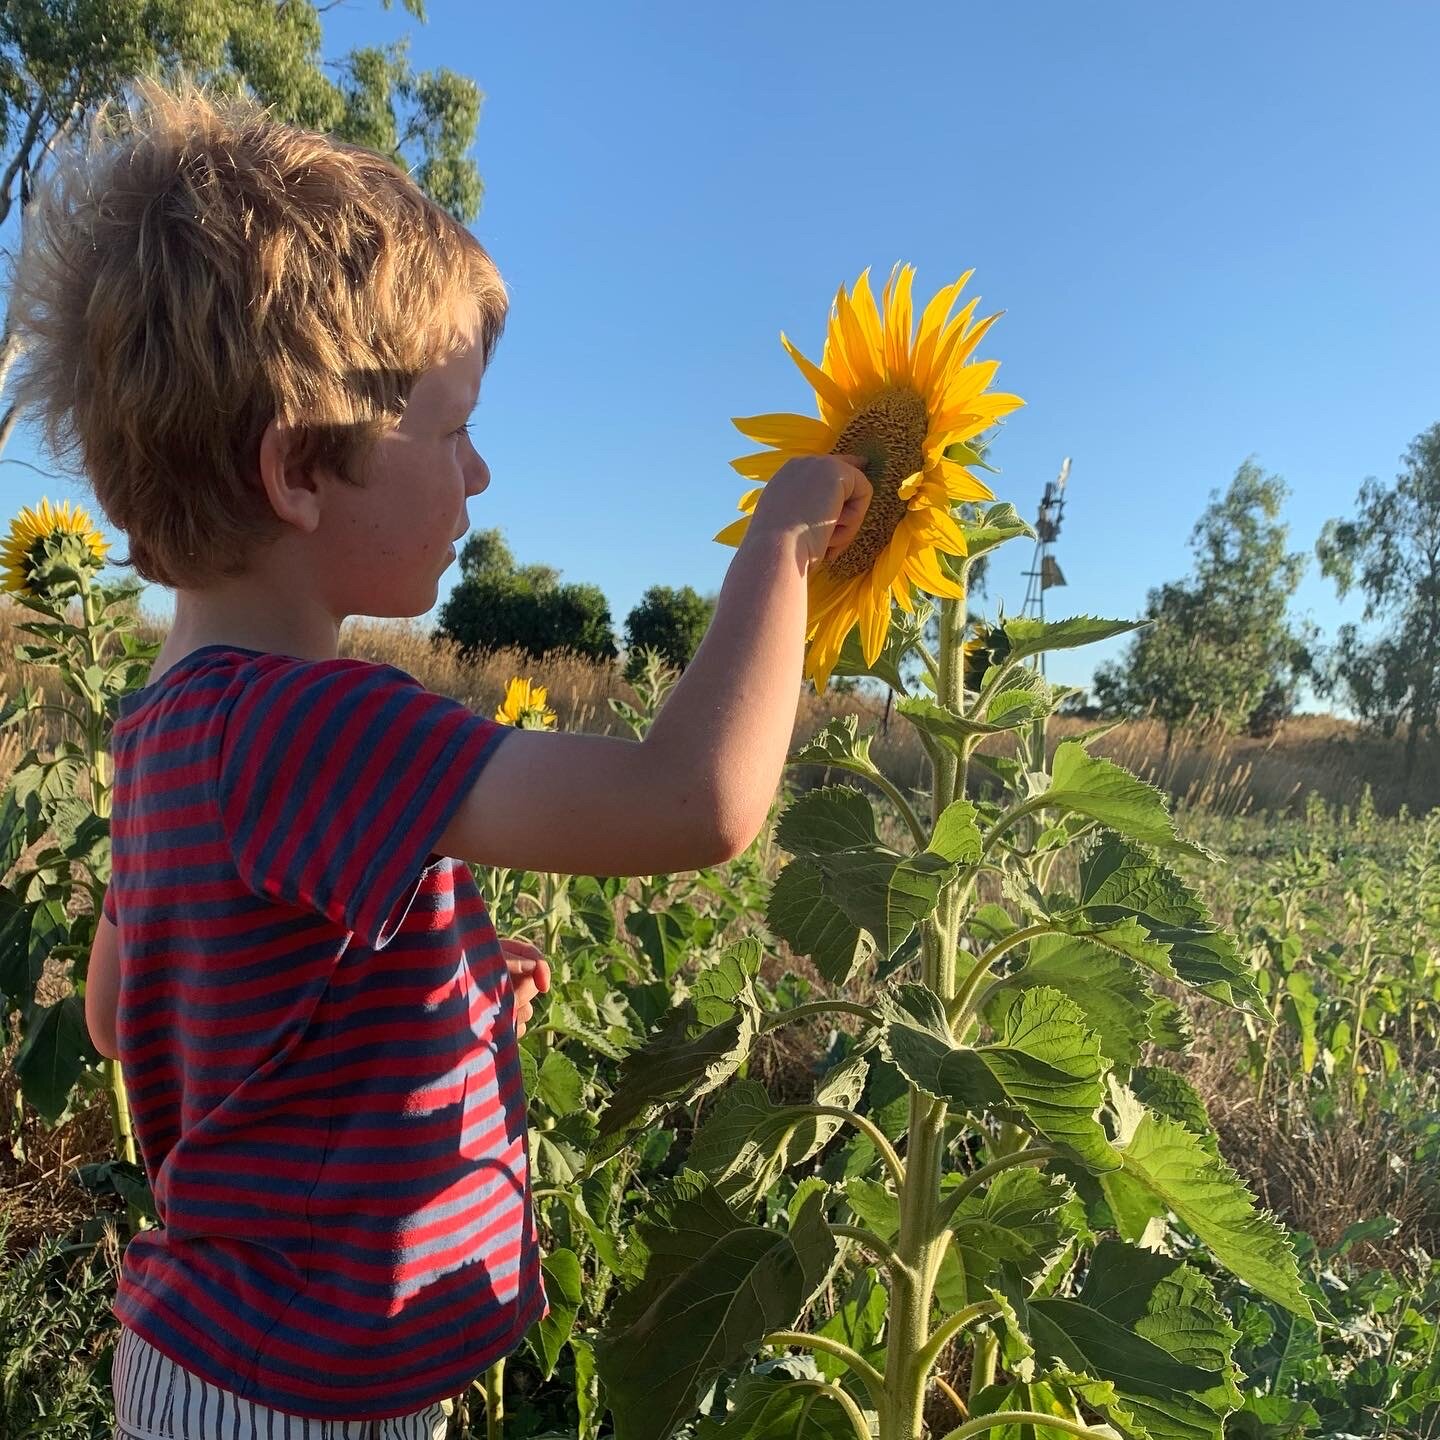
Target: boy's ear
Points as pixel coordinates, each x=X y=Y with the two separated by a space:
x=289 y=477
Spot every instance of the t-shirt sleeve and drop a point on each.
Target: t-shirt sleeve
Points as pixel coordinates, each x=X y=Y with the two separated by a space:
x=337 y=778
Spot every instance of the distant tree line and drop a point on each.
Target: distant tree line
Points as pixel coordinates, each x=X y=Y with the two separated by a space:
x=499 y=604
x=1220 y=643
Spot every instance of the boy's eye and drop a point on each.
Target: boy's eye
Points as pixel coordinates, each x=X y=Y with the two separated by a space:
x=463 y=430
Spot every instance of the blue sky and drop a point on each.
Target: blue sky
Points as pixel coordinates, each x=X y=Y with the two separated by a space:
x=1212 y=229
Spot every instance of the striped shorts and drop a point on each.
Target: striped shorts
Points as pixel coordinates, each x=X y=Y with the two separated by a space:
x=156 y=1399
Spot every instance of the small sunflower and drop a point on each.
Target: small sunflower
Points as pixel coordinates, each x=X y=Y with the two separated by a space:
x=989 y=645
x=25 y=546
x=524 y=706
x=901 y=398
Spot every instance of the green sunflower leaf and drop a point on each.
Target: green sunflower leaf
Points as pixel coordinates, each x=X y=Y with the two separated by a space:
x=802 y=914
x=839 y=744
x=834 y=817
x=998 y=523
x=957 y=835
x=1044 y=1072
x=767 y=1408
x=1015 y=1222
x=1029 y=636
x=1121 y=884
x=713 y=1288
x=1145 y=1343
x=1106 y=987
x=819 y=901
x=699 y=1045
x=1006 y=711
x=561 y=1269
x=745 y=1142
x=900 y=639
x=857 y=1322
x=1173 y=1096
x=1174 y=1165
x=1087 y=785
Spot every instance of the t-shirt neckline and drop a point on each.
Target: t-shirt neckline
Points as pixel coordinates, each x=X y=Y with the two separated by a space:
x=133 y=700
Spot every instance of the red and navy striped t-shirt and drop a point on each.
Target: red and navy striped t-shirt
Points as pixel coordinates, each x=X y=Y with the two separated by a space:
x=316 y=1028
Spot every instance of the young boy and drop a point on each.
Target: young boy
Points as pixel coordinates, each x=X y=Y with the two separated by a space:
x=263 y=345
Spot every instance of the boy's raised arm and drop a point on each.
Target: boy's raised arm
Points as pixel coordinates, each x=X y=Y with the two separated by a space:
x=697 y=789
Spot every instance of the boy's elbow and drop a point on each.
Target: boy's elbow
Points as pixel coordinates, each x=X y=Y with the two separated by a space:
x=732 y=825
x=102 y=1036
x=715 y=814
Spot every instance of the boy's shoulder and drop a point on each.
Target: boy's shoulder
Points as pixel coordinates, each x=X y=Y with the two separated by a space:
x=221 y=674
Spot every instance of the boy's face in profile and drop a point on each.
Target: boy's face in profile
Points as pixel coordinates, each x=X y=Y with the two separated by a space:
x=385 y=544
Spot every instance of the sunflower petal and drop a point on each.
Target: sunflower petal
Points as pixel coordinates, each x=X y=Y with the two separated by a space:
x=862 y=302
x=891 y=561
x=924 y=570
x=959 y=483
x=762 y=465
x=910 y=484
x=939 y=359
x=932 y=323
x=972 y=337
x=964 y=382
x=787 y=432
x=899 y=320
x=734 y=532
x=943 y=533
x=825 y=649
x=832 y=359
x=827 y=391
x=860 y=347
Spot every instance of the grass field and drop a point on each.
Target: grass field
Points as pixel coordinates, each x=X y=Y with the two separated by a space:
x=1330 y=1111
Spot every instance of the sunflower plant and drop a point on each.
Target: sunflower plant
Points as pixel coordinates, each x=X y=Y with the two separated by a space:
x=980 y=1223
x=58 y=797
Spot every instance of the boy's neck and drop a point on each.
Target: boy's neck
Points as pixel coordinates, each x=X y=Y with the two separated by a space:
x=249 y=617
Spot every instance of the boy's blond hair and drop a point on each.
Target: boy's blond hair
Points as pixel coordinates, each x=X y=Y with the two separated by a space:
x=197 y=269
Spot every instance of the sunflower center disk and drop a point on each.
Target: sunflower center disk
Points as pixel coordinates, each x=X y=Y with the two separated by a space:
x=890 y=433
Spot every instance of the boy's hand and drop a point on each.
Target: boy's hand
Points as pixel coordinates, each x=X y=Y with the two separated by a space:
x=529 y=976
x=819 y=498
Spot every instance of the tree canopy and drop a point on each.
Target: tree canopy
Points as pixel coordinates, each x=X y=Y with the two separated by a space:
x=499 y=604
x=1220 y=642
x=670 y=621
x=1390 y=553
x=61 y=59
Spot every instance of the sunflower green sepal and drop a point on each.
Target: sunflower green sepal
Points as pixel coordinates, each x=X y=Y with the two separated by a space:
x=49 y=554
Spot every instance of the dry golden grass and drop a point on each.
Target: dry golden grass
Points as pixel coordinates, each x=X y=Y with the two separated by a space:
x=1204 y=767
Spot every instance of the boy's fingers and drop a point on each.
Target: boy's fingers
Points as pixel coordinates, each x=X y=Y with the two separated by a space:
x=520 y=950
x=542 y=976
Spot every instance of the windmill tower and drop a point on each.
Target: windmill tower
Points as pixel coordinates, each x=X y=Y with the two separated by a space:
x=1044 y=571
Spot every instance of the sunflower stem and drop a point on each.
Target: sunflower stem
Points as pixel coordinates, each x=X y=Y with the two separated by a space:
x=929 y=661
x=907 y=813
x=922 y=1235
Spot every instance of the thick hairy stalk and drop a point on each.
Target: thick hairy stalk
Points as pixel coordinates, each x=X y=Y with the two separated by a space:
x=922 y=1232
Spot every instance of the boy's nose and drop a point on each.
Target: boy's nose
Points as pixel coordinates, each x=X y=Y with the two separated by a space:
x=477 y=477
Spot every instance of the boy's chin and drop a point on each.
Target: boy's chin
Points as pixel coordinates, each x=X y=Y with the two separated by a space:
x=409 y=606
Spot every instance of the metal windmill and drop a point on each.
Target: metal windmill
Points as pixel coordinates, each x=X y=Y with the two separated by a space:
x=1044 y=571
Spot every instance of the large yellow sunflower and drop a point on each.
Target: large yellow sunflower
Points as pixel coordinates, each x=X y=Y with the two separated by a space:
x=899 y=397
x=31 y=528
x=524 y=706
